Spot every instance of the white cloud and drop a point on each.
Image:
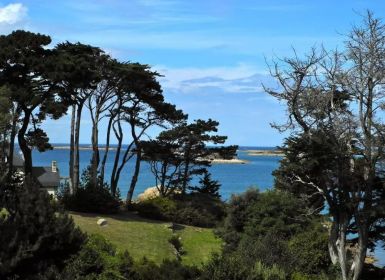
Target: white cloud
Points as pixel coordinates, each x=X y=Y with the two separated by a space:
x=12 y=14
x=242 y=78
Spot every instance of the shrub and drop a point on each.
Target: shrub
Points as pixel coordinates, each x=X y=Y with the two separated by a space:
x=270 y=250
x=199 y=209
x=231 y=266
x=159 y=208
x=258 y=214
x=99 y=260
x=35 y=239
x=89 y=198
x=311 y=249
x=191 y=209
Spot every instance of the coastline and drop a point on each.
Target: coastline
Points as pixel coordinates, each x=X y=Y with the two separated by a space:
x=88 y=148
x=264 y=153
x=229 y=161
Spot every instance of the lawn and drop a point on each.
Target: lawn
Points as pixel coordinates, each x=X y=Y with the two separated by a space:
x=142 y=237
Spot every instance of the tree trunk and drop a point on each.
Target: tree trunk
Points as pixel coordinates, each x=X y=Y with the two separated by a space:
x=337 y=244
x=114 y=174
x=27 y=153
x=72 y=149
x=186 y=170
x=104 y=160
x=95 y=149
x=76 y=146
x=135 y=176
x=12 y=142
x=359 y=258
x=4 y=154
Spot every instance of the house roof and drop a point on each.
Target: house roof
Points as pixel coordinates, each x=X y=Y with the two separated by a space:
x=45 y=176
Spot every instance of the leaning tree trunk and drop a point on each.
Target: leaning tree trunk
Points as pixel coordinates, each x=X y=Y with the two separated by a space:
x=107 y=149
x=72 y=149
x=114 y=173
x=76 y=147
x=135 y=176
x=27 y=153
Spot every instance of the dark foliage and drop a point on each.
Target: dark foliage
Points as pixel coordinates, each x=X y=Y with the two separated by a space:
x=232 y=266
x=35 y=240
x=89 y=198
x=208 y=186
x=195 y=209
x=98 y=259
x=273 y=228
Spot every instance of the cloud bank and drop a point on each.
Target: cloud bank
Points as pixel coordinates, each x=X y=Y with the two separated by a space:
x=12 y=14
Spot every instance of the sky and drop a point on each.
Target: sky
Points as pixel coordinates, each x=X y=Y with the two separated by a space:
x=212 y=53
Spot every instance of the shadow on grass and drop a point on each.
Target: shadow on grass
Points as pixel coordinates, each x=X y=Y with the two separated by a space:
x=125 y=216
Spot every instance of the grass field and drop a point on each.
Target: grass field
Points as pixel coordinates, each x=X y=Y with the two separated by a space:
x=143 y=237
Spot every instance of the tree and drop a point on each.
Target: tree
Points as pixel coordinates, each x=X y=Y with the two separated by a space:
x=208 y=186
x=334 y=101
x=99 y=102
x=25 y=65
x=180 y=153
x=78 y=72
x=164 y=161
x=140 y=105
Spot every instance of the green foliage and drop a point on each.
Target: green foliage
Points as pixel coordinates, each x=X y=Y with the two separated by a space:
x=310 y=248
x=199 y=209
x=38 y=138
x=270 y=249
x=268 y=273
x=35 y=240
x=228 y=152
x=257 y=214
x=208 y=186
x=89 y=198
x=232 y=267
x=273 y=228
x=180 y=153
x=159 y=208
x=194 y=209
x=99 y=260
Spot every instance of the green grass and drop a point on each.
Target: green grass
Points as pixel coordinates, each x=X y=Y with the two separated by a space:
x=149 y=238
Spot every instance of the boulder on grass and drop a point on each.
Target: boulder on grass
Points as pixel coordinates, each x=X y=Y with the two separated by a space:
x=102 y=222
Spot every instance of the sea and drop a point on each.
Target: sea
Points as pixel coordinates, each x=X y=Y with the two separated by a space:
x=234 y=178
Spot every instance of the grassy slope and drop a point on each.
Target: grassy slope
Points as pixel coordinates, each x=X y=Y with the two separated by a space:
x=143 y=237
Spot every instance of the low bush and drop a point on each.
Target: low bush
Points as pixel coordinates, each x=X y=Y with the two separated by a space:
x=232 y=267
x=90 y=199
x=194 y=209
x=159 y=208
x=99 y=260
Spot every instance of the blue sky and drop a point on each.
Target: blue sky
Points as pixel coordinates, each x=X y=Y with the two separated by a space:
x=211 y=53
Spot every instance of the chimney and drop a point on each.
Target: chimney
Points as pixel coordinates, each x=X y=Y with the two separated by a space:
x=54 y=166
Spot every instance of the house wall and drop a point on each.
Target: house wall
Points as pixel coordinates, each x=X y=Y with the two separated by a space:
x=51 y=191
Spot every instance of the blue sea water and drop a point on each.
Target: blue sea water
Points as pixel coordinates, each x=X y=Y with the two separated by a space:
x=234 y=178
